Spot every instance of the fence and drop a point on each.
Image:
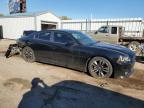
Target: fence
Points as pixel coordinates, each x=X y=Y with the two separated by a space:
x=133 y=26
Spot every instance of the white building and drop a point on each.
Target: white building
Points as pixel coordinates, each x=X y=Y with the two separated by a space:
x=12 y=26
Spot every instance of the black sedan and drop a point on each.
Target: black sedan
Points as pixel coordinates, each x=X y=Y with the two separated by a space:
x=75 y=50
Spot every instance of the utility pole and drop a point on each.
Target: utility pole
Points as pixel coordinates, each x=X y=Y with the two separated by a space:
x=91 y=19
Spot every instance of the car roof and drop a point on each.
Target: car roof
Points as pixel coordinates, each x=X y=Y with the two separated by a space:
x=61 y=30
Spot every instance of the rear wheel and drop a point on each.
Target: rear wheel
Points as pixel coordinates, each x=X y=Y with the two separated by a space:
x=28 y=54
x=135 y=47
x=100 y=67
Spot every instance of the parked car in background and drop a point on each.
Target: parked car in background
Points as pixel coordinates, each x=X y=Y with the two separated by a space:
x=116 y=35
x=75 y=50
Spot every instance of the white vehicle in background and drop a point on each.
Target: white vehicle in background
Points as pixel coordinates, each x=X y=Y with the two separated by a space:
x=116 y=35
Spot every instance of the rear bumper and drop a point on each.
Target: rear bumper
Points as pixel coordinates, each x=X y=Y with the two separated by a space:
x=124 y=71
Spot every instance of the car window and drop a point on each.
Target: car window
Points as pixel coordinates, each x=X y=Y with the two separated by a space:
x=83 y=38
x=114 y=30
x=62 y=37
x=103 y=30
x=44 y=36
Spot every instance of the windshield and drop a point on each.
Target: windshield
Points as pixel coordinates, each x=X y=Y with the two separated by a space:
x=83 y=38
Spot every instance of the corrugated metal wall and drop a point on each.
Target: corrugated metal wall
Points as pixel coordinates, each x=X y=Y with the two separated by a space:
x=133 y=26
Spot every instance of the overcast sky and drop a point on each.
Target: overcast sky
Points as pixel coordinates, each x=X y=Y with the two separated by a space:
x=78 y=9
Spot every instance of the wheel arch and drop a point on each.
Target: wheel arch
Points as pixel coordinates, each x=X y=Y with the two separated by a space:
x=90 y=58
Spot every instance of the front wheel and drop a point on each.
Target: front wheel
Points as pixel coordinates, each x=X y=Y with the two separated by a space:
x=28 y=54
x=100 y=67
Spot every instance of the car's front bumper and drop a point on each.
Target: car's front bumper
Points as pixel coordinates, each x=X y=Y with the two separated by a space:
x=124 y=70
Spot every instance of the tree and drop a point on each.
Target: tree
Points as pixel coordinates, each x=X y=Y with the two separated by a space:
x=1 y=14
x=65 y=18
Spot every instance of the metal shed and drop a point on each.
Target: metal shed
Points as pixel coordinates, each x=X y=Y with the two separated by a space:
x=12 y=26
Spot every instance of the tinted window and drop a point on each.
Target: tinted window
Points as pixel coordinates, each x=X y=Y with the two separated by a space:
x=44 y=36
x=61 y=38
x=114 y=30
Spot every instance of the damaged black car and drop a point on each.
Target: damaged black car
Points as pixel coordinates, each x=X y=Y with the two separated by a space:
x=76 y=50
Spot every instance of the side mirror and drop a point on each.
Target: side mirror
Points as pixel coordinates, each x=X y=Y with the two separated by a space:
x=96 y=32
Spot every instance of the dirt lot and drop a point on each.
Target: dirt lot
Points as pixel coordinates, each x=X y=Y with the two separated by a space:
x=16 y=76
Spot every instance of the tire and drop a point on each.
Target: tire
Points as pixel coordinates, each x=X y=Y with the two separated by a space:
x=28 y=54
x=134 y=46
x=100 y=67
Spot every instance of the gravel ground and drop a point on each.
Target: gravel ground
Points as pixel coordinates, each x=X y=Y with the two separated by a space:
x=62 y=88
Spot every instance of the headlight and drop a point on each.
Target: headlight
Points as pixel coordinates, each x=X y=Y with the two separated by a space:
x=123 y=59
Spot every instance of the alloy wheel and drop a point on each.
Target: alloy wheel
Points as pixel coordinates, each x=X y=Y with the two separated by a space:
x=100 y=67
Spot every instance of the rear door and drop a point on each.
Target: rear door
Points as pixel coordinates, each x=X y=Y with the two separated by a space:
x=1 y=32
x=42 y=46
x=114 y=35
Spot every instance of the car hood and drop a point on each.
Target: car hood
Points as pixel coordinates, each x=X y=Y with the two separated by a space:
x=113 y=47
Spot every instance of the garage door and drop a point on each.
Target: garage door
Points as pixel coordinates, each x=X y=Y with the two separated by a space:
x=48 y=26
x=1 y=32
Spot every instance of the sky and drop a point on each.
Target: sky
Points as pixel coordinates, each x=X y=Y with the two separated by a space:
x=84 y=9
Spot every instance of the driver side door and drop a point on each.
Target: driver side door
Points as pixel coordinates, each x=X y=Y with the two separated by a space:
x=65 y=49
x=103 y=34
